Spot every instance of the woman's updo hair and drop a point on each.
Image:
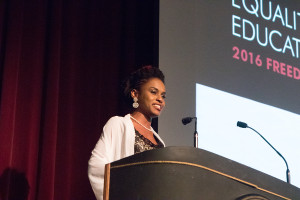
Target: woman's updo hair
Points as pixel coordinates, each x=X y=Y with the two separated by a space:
x=139 y=77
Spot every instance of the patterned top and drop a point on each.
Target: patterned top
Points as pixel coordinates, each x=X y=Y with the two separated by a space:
x=143 y=144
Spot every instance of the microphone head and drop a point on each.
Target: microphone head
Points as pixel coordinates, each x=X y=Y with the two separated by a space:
x=187 y=120
x=242 y=124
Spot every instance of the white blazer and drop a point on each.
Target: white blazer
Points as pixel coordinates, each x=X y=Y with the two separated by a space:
x=116 y=142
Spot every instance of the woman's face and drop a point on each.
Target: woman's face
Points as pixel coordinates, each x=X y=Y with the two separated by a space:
x=151 y=97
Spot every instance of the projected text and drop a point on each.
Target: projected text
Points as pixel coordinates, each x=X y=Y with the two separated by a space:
x=264 y=35
x=269 y=63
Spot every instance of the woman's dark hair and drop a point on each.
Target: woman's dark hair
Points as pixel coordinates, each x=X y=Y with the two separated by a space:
x=139 y=77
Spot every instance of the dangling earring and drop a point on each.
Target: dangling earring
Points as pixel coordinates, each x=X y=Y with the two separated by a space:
x=135 y=103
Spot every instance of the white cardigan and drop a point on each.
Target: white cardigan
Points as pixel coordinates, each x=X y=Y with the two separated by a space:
x=116 y=142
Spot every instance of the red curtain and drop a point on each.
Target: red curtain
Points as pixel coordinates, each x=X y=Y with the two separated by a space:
x=61 y=65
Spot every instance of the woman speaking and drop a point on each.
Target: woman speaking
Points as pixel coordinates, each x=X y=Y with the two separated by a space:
x=131 y=134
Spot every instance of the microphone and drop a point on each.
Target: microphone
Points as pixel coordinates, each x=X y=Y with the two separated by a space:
x=244 y=125
x=186 y=121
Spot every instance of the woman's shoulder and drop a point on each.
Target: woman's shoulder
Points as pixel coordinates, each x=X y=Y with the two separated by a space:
x=118 y=120
x=118 y=124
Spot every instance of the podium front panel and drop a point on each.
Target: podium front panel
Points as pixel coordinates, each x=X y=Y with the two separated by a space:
x=176 y=173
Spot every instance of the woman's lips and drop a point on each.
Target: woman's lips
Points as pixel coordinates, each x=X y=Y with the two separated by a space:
x=158 y=107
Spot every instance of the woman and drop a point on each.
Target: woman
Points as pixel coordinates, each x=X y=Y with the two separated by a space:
x=125 y=136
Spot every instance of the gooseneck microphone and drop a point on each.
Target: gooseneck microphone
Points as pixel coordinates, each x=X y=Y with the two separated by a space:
x=244 y=125
x=186 y=121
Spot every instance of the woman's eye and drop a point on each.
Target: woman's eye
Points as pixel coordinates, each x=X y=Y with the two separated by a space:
x=153 y=92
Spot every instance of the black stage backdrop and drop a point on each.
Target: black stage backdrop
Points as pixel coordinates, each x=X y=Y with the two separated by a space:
x=61 y=65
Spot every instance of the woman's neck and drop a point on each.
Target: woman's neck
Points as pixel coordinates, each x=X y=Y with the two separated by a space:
x=141 y=118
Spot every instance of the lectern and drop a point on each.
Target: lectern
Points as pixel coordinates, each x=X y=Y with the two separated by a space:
x=187 y=173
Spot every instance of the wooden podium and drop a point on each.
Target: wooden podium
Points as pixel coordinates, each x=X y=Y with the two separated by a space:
x=187 y=173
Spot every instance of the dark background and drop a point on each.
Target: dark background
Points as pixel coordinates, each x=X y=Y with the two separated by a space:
x=61 y=66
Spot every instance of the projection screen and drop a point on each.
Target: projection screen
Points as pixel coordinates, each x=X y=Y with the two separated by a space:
x=228 y=61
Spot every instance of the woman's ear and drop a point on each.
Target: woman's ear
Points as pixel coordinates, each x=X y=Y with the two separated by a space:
x=134 y=93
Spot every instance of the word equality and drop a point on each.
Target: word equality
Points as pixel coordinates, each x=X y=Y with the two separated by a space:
x=273 y=13
x=279 y=41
